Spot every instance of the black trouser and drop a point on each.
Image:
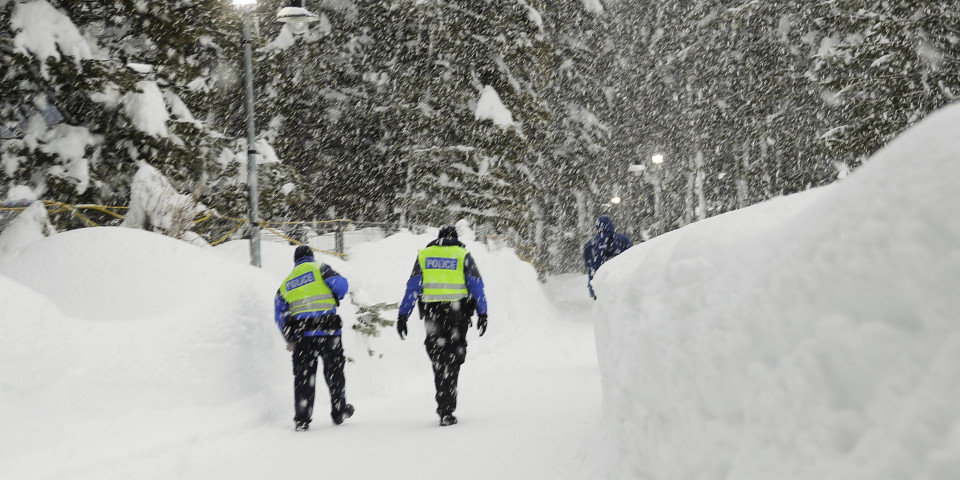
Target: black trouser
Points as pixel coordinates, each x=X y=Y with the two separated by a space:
x=446 y=324
x=305 y=356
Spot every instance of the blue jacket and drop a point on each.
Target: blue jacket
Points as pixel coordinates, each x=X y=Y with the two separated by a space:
x=470 y=271
x=605 y=245
x=337 y=284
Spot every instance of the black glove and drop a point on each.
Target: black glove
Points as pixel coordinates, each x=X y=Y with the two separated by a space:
x=402 y=326
x=482 y=323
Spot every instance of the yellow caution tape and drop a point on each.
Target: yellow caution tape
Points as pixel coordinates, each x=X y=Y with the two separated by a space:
x=223 y=238
x=297 y=242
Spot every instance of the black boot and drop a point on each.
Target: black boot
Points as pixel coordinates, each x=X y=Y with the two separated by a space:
x=342 y=415
x=447 y=420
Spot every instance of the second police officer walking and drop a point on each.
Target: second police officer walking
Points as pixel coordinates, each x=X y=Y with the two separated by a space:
x=447 y=288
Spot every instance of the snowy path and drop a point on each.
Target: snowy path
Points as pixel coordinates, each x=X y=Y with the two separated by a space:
x=528 y=409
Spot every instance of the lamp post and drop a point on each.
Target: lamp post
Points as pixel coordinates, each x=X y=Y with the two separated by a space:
x=653 y=176
x=297 y=17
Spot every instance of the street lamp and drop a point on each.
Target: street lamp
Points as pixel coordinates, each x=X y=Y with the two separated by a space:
x=654 y=177
x=297 y=17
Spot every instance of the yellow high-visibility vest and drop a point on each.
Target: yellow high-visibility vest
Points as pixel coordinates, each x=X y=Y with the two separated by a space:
x=305 y=290
x=442 y=269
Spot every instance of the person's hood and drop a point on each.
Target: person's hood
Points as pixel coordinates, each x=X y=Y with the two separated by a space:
x=302 y=254
x=448 y=231
x=604 y=224
x=446 y=242
x=447 y=237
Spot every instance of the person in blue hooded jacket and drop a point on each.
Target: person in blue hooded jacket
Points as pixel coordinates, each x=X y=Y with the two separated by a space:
x=606 y=244
x=305 y=309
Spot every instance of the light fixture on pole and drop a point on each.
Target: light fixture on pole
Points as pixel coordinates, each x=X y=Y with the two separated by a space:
x=298 y=17
x=657 y=158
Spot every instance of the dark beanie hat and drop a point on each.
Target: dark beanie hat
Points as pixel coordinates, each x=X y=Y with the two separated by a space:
x=448 y=231
x=302 y=251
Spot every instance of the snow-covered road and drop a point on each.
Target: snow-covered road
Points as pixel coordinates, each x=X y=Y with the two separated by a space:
x=526 y=411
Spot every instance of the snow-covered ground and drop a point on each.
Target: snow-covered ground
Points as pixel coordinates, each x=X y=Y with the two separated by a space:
x=815 y=336
x=127 y=354
x=569 y=294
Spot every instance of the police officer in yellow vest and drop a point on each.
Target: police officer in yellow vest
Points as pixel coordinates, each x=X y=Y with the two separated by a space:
x=447 y=288
x=305 y=310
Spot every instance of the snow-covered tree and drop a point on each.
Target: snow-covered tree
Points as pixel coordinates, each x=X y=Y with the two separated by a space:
x=884 y=68
x=575 y=171
x=92 y=88
x=395 y=111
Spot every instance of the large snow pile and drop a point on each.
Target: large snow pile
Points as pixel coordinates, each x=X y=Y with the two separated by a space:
x=814 y=336
x=115 y=336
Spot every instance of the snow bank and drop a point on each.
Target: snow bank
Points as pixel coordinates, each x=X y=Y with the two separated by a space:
x=30 y=225
x=811 y=337
x=275 y=258
x=115 y=336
